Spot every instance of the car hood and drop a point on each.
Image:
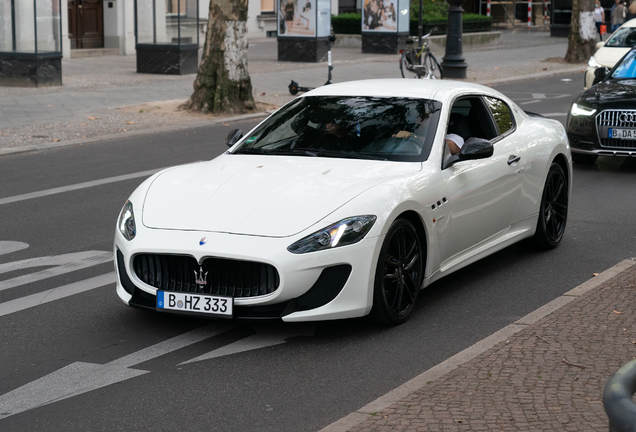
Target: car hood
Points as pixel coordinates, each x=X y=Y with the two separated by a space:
x=608 y=56
x=613 y=93
x=273 y=196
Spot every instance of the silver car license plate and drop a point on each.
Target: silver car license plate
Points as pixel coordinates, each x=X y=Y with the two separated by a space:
x=624 y=134
x=195 y=303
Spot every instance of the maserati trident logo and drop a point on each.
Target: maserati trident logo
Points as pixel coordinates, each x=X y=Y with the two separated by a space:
x=200 y=278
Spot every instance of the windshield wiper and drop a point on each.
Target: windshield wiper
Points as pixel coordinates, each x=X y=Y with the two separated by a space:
x=251 y=151
x=349 y=155
x=310 y=152
x=296 y=152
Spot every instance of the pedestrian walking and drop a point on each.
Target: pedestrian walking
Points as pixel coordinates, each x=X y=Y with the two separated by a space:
x=599 y=17
x=631 y=10
x=619 y=14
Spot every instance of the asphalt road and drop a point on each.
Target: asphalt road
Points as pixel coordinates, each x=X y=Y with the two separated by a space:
x=85 y=362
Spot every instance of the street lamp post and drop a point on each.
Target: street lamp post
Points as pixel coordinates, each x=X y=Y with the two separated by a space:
x=453 y=63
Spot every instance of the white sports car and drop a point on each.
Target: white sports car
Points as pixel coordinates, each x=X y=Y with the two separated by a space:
x=344 y=203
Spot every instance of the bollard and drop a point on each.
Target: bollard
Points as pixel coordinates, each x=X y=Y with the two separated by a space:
x=529 y=14
x=617 y=399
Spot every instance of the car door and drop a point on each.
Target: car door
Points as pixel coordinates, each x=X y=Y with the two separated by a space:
x=483 y=194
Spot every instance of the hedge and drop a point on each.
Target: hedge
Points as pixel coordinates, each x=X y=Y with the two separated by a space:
x=350 y=23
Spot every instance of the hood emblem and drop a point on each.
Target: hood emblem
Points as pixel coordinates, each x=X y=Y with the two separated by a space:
x=203 y=241
x=200 y=278
x=628 y=117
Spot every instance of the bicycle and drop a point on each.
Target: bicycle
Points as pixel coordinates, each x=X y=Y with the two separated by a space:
x=419 y=62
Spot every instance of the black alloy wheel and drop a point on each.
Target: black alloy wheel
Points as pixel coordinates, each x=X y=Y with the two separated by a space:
x=398 y=275
x=553 y=213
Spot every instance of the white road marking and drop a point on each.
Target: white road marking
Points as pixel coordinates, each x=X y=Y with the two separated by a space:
x=7 y=247
x=47 y=296
x=174 y=344
x=63 y=264
x=77 y=186
x=260 y=340
x=529 y=102
x=555 y=114
x=538 y=96
x=79 y=377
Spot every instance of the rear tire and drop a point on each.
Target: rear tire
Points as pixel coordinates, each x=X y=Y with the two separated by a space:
x=405 y=65
x=583 y=159
x=553 y=213
x=398 y=276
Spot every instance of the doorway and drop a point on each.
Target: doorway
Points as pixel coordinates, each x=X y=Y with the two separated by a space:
x=86 y=23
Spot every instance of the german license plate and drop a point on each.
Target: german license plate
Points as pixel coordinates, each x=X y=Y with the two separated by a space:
x=195 y=303
x=625 y=134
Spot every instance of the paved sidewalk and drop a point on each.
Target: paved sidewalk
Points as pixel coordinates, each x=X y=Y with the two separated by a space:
x=546 y=372
x=105 y=97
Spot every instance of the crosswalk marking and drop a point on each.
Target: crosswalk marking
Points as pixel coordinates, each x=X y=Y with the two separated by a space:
x=63 y=264
x=47 y=296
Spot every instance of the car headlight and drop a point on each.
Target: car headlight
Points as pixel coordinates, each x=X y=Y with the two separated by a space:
x=593 y=63
x=126 y=222
x=579 y=110
x=345 y=232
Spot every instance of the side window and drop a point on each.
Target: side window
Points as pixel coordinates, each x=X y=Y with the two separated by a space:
x=501 y=113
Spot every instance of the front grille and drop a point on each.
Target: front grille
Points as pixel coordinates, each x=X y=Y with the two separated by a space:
x=615 y=119
x=226 y=277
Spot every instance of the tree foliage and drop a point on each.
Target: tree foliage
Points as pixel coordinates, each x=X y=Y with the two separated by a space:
x=223 y=82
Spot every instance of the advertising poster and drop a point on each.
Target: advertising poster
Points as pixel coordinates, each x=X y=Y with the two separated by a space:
x=297 y=18
x=380 y=15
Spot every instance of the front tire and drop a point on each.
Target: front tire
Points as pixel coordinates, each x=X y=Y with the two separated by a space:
x=433 y=68
x=553 y=213
x=398 y=274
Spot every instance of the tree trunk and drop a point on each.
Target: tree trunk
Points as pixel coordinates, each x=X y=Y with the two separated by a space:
x=223 y=82
x=582 y=38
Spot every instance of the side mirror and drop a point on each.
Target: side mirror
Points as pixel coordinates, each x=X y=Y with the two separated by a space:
x=233 y=137
x=599 y=45
x=476 y=148
x=601 y=72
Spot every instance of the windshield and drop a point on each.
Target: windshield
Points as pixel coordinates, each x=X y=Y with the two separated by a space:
x=627 y=67
x=624 y=37
x=359 y=127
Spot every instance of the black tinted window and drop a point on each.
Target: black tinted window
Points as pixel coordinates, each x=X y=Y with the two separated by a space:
x=371 y=127
x=501 y=113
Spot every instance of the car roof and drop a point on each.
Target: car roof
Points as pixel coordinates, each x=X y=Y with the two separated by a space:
x=400 y=87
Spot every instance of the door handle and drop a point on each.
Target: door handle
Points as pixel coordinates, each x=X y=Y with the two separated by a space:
x=513 y=159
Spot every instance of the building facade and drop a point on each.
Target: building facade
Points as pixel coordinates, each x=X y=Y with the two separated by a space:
x=110 y=24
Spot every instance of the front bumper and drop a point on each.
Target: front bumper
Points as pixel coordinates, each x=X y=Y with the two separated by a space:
x=331 y=284
x=589 y=135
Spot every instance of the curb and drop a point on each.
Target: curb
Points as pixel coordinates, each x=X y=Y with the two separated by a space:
x=564 y=71
x=200 y=123
x=473 y=351
x=110 y=137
